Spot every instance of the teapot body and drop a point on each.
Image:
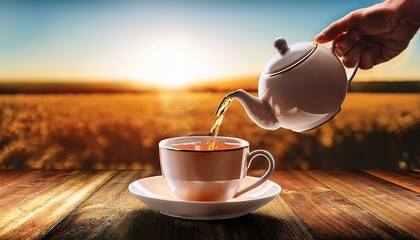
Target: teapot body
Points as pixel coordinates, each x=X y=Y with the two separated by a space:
x=308 y=94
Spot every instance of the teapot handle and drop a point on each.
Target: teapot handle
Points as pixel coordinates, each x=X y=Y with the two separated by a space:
x=356 y=65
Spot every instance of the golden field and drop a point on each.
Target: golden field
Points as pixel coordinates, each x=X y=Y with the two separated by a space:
x=122 y=131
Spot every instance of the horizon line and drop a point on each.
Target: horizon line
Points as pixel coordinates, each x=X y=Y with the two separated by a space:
x=412 y=86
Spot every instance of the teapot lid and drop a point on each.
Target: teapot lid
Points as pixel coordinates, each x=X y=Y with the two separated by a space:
x=288 y=56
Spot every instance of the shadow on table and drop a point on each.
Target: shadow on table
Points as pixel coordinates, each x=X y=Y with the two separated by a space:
x=150 y=224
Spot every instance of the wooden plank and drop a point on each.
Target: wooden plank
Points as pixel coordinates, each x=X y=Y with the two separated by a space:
x=276 y=220
x=327 y=214
x=34 y=213
x=11 y=175
x=407 y=179
x=394 y=205
x=8 y=173
x=26 y=184
x=112 y=213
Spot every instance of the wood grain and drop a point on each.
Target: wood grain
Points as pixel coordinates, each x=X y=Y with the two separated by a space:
x=407 y=179
x=330 y=204
x=112 y=213
x=396 y=206
x=38 y=200
x=26 y=185
x=327 y=214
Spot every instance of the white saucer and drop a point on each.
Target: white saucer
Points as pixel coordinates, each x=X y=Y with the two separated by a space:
x=154 y=192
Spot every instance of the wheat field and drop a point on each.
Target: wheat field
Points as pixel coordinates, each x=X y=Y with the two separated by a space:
x=122 y=131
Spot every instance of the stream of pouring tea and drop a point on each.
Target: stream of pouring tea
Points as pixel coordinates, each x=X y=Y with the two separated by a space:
x=217 y=120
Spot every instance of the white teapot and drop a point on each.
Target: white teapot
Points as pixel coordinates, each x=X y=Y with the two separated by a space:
x=301 y=88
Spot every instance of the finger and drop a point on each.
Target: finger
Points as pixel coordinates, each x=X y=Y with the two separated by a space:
x=345 y=24
x=345 y=42
x=369 y=56
x=349 y=60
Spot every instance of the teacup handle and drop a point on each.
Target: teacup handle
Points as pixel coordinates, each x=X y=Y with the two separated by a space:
x=356 y=65
x=267 y=174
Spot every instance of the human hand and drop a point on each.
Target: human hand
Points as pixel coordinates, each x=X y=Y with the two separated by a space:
x=375 y=34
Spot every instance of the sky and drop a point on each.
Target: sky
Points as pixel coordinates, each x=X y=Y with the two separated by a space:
x=166 y=42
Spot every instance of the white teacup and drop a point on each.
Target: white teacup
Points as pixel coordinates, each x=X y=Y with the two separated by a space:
x=195 y=173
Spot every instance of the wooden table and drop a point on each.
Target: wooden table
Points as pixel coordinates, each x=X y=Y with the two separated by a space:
x=313 y=204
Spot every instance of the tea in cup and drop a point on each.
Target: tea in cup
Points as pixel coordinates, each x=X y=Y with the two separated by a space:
x=196 y=172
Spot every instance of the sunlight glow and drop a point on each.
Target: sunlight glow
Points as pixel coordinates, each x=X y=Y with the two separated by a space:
x=173 y=61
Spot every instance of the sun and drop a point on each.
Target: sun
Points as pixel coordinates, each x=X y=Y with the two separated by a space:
x=172 y=61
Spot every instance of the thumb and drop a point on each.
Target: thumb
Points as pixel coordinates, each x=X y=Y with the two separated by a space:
x=345 y=24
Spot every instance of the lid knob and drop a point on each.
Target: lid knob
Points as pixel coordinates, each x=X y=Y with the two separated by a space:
x=281 y=45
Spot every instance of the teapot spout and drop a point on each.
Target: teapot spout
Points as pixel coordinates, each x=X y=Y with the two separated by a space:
x=260 y=111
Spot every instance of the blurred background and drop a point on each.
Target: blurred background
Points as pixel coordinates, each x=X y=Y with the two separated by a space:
x=96 y=84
